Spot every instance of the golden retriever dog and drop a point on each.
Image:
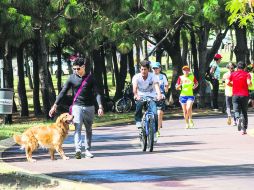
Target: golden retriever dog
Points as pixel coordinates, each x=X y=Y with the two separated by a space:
x=50 y=137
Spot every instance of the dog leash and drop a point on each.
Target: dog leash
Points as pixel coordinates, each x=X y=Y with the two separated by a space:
x=78 y=92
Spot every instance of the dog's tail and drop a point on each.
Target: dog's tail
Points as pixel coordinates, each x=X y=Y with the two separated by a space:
x=17 y=139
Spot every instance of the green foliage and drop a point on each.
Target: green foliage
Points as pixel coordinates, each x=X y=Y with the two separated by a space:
x=239 y=12
x=125 y=46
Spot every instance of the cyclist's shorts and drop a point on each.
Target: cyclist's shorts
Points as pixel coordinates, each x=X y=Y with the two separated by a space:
x=161 y=105
x=185 y=99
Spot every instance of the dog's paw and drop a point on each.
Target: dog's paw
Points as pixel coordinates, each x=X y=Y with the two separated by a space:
x=66 y=158
x=31 y=160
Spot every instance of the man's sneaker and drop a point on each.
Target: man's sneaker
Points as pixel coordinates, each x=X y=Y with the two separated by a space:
x=235 y=124
x=88 y=154
x=244 y=131
x=191 y=124
x=239 y=124
x=229 y=120
x=138 y=125
x=187 y=126
x=78 y=155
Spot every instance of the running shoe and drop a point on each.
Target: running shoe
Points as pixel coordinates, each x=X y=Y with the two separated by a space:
x=187 y=126
x=191 y=124
x=239 y=124
x=158 y=134
x=244 y=131
x=88 y=154
x=229 y=120
x=78 y=155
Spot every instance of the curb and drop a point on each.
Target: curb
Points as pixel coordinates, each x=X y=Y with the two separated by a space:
x=51 y=182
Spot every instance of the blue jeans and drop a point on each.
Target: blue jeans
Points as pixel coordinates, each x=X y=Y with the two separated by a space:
x=152 y=108
x=83 y=115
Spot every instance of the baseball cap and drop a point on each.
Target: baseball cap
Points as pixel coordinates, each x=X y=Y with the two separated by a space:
x=156 y=65
x=217 y=56
x=186 y=68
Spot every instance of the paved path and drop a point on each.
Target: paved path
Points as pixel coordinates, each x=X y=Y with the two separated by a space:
x=211 y=156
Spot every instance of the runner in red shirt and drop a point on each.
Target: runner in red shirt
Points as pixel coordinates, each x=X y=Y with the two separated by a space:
x=240 y=80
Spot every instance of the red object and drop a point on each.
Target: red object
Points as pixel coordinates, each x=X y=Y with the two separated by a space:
x=217 y=56
x=73 y=58
x=240 y=86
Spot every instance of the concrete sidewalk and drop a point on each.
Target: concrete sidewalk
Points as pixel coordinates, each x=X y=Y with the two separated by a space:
x=211 y=156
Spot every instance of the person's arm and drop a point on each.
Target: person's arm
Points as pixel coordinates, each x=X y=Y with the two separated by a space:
x=249 y=80
x=229 y=81
x=178 y=84
x=62 y=93
x=135 y=88
x=195 y=83
x=165 y=84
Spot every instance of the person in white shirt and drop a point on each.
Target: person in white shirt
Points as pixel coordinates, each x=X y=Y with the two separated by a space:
x=228 y=92
x=163 y=83
x=145 y=84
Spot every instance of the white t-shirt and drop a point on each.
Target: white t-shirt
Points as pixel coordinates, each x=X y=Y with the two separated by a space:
x=145 y=87
x=162 y=82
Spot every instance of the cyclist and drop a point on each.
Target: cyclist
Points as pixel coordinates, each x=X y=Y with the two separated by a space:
x=186 y=83
x=145 y=84
x=240 y=80
x=228 y=92
x=163 y=83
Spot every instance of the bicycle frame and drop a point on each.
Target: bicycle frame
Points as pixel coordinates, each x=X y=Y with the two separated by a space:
x=148 y=116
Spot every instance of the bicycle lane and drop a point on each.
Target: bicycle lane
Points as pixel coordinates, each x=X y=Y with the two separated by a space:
x=184 y=159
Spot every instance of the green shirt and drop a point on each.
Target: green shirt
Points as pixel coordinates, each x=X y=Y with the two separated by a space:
x=187 y=85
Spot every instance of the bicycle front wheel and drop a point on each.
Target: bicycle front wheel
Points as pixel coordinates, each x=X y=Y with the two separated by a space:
x=150 y=135
x=143 y=139
x=123 y=105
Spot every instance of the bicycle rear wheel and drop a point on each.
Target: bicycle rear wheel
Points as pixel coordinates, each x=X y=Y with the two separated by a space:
x=143 y=139
x=150 y=135
x=123 y=105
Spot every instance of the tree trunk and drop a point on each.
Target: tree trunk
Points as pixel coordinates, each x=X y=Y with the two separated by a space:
x=185 y=47
x=28 y=73
x=232 y=46
x=116 y=70
x=159 y=52
x=131 y=64
x=137 y=44
x=194 y=53
x=98 y=70
x=21 y=84
x=145 y=49
x=8 y=77
x=104 y=71
x=241 y=50
x=122 y=77
x=36 y=79
x=59 y=67
x=203 y=35
x=172 y=46
x=110 y=66
x=43 y=71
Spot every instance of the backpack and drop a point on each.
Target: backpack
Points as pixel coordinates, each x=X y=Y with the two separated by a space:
x=209 y=76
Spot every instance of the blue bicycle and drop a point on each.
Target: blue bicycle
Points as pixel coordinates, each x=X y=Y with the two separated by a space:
x=148 y=129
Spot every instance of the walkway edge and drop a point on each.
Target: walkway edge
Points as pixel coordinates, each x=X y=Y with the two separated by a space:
x=62 y=184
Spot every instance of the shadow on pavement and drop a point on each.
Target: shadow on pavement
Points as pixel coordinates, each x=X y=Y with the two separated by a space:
x=157 y=174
